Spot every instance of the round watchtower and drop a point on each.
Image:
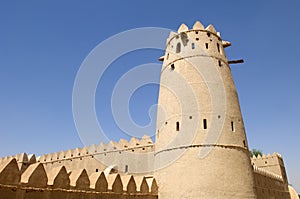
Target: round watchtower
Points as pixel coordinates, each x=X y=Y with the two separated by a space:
x=201 y=148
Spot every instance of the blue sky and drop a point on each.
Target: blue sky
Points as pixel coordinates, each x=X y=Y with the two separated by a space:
x=42 y=45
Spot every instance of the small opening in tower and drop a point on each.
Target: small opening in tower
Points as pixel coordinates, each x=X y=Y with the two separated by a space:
x=172 y=66
x=220 y=63
x=196 y=32
x=177 y=126
x=97 y=170
x=204 y=123
x=208 y=34
x=218 y=46
x=126 y=168
x=190 y=117
x=197 y=39
x=178 y=48
x=244 y=142
x=168 y=56
x=193 y=46
x=232 y=126
x=206 y=45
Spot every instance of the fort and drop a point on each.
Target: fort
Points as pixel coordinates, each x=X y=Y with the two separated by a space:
x=200 y=149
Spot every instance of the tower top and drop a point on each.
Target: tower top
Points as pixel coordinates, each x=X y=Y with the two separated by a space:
x=198 y=26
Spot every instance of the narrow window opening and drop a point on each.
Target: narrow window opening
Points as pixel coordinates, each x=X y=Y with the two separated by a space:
x=197 y=39
x=168 y=56
x=193 y=46
x=244 y=142
x=166 y=122
x=143 y=149
x=97 y=170
x=196 y=32
x=190 y=117
x=126 y=168
x=218 y=46
x=204 y=124
x=177 y=126
x=232 y=126
x=208 y=34
x=206 y=45
x=220 y=63
x=178 y=48
x=173 y=67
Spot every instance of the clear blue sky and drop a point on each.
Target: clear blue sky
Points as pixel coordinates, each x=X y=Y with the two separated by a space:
x=42 y=45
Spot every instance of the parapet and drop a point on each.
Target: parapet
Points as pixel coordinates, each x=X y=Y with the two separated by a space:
x=144 y=144
x=271 y=163
x=266 y=173
x=35 y=177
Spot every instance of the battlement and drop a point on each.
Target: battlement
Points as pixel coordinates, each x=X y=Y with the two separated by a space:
x=97 y=157
x=39 y=182
x=271 y=163
x=145 y=144
x=195 y=42
x=267 y=173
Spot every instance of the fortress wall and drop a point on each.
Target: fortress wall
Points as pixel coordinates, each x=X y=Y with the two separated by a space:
x=36 y=182
x=269 y=185
x=99 y=157
x=272 y=163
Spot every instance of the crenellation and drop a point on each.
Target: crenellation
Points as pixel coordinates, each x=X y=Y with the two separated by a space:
x=58 y=177
x=198 y=26
x=35 y=176
x=92 y=149
x=211 y=28
x=31 y=159
x=79 y=179
x=267 y=173
x=36 y=182
x=114 y=183
x=134 y=142
x=98 y=182
x=9 y=172
x=129 y=184
x=182 y=28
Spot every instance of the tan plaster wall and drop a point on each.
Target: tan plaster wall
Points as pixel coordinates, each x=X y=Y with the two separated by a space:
x=267 y=187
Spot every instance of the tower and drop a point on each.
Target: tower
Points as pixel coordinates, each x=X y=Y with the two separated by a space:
x=201 y=148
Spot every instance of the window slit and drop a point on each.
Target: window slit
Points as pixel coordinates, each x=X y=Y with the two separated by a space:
x=204 y=124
